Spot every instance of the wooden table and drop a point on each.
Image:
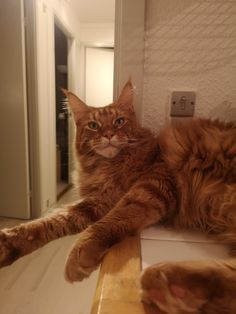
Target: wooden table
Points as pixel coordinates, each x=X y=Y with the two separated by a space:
x=118 y=283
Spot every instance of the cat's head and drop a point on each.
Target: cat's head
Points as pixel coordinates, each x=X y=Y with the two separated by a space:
x=106 y=130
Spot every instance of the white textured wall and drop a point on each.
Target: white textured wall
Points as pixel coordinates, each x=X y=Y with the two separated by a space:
x=190 y=45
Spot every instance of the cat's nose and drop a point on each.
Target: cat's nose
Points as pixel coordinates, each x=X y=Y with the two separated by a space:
x=108 y=134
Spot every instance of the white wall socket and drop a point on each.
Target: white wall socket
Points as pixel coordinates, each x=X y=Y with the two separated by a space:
x=182 y=104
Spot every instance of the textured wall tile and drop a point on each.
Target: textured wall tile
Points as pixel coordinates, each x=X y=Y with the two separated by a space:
x=190 y=45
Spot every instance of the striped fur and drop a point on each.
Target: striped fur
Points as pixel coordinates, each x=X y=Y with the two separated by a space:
x=129 y=179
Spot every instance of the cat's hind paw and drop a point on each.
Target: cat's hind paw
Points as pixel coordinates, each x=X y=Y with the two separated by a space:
x=176 y=289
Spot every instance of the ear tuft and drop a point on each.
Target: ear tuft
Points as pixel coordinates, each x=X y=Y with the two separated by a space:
x=126 y=98
x=64 y=91
x=77 y=106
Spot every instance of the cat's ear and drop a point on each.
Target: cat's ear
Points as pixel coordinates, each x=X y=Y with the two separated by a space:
x=77 y=106
x=126 y=98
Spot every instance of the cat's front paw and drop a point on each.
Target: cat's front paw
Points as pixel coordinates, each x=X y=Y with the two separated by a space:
x=8 y=253
x=183 y=287
x=84 y=258
x=18 y=241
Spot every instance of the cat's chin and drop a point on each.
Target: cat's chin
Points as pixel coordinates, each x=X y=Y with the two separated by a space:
x=108 y=152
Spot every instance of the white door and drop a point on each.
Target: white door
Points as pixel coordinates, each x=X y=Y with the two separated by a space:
x=99 y=71
x=14 y=171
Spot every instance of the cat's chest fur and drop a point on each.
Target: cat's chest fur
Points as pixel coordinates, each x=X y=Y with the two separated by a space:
x=113 y=178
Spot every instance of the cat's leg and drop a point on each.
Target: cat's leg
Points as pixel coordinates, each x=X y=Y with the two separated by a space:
x=25 y=238
x=146 y=203
x=191 y=287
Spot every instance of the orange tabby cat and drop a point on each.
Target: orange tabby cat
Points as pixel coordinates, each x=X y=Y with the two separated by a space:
x=129 y=179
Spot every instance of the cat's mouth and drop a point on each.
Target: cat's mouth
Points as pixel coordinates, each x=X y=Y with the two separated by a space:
x=111 y=145
x=108 y=151
x=109 y=148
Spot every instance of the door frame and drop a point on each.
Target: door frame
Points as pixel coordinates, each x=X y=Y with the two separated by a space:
x=71 y=86
x=129 y=48
x=32 y=9
x=33 y=110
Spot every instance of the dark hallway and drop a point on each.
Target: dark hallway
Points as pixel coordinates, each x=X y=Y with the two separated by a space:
x=61 y=66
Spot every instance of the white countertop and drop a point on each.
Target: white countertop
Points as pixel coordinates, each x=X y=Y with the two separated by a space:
x=159 y=244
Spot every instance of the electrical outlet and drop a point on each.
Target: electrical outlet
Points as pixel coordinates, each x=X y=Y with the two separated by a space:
x=182 y=104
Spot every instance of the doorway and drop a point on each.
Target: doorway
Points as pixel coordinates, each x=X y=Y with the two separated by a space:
x=62 y=119
x=99 y=69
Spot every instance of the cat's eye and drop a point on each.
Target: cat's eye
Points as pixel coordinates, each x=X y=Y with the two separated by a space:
x=93 y=125
x=119 y=122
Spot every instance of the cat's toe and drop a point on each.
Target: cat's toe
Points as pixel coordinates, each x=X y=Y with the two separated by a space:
x=74 y=272
x=83 y=259
x=8 y=253
x=3 y=235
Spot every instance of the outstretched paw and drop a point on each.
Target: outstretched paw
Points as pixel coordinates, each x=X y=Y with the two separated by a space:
x=84 y=258
x=8 y=253
x=182 y=287
x=16 y=242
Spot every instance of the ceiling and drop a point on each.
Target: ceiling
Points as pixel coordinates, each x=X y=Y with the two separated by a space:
x=94 y=11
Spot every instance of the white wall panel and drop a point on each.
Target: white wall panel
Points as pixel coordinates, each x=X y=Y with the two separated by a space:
x=14 y=159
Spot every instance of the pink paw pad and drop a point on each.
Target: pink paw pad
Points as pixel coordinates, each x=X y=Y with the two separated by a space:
x=159 y=295
x=177 y=291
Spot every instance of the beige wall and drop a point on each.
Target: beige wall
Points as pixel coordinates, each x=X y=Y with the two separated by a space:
x=99 y=33
x=190 y=45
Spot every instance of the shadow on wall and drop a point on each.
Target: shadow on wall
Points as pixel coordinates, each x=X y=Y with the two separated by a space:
x=190 y=45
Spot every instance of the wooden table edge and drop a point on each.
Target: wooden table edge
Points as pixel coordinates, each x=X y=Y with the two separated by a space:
x=118 y=286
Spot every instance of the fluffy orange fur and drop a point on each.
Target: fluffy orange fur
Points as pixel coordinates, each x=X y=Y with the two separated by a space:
x=129 y=179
